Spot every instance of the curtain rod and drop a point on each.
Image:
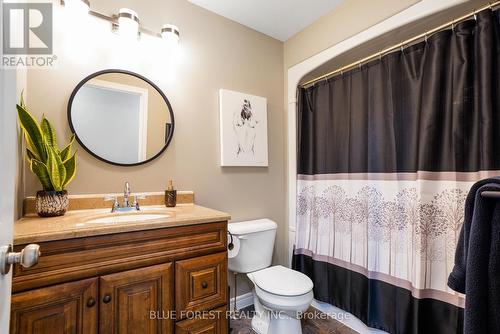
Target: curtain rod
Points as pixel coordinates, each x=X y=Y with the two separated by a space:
x=401 y=45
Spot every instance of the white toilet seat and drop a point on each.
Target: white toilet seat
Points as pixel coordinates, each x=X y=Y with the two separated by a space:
x=282 y=281
x=284 y=303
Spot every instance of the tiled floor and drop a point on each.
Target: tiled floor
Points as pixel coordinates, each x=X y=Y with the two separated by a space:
x=311 y=325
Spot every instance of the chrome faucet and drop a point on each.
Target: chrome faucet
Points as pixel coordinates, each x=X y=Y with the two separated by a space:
x=126 y=207
x=126 y=194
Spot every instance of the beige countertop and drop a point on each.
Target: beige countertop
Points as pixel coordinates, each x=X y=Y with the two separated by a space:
x=75 y=224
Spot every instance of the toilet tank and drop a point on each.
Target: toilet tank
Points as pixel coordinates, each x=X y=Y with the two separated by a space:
x=254 y=244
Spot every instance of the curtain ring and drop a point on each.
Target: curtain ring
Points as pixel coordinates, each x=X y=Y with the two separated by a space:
x=489 y=5
x=475 y=16
x=425 y=38
x=402 y=48
x=359 y=66
x=380 y=55
x=453 y=25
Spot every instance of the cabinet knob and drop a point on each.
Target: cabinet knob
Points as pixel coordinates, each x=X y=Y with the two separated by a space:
x=204 y=285
x=106 y=299
x=90 y=302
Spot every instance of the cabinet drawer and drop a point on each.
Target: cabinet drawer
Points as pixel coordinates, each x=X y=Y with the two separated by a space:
x=201 y=283
x=213 y=322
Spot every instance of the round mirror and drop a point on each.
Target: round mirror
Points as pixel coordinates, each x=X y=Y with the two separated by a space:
x=120 y=117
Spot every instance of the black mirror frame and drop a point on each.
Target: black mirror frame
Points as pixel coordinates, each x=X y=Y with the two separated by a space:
x=70 y=121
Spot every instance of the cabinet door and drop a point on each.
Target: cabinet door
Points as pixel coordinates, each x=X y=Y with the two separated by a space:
x=211 y=322
x=200 y=283
x=63 y=308
x=131 y=301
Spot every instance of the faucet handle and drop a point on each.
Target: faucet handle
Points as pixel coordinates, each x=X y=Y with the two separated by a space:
x=136 y=200
x=113 y=198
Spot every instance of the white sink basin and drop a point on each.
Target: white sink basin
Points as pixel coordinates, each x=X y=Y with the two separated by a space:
x=126 y=218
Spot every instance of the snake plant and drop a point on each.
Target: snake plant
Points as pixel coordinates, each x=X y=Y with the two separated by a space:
x=54 y=167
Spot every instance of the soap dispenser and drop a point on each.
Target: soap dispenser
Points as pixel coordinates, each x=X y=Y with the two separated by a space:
x=170 y=195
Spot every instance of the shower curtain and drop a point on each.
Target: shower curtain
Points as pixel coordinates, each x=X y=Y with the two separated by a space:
x=386 y=155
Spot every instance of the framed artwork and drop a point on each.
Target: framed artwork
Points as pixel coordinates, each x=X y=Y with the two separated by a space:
x=243 y=129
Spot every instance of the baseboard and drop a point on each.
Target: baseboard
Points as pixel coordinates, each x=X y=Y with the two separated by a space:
x=242 y=301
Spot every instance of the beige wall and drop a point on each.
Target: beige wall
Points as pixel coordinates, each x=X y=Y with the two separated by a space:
x=215 y=53
x=346 y=20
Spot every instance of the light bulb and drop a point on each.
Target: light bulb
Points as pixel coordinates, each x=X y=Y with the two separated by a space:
x=170 y=34
x=128 y=23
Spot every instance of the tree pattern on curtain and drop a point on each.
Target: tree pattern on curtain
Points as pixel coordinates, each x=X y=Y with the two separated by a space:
x=415 y=235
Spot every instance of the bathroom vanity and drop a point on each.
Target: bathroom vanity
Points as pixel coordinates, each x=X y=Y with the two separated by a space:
x=163 y=275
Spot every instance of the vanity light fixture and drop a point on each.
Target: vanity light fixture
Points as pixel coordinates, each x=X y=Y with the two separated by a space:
x=128 y=23
x=125 y=23
x=170 y=34
x=77 y=6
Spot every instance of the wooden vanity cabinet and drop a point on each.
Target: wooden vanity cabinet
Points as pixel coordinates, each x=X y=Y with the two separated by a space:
x=137 y=282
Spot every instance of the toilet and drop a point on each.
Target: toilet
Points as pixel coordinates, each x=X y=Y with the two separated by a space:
x=280 y=294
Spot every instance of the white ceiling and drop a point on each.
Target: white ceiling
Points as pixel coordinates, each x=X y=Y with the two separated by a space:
x=280 y=19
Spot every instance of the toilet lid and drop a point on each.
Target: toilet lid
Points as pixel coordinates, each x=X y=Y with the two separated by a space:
x=282 y=281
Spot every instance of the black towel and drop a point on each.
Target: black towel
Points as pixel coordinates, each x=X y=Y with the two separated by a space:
x=477 y=260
